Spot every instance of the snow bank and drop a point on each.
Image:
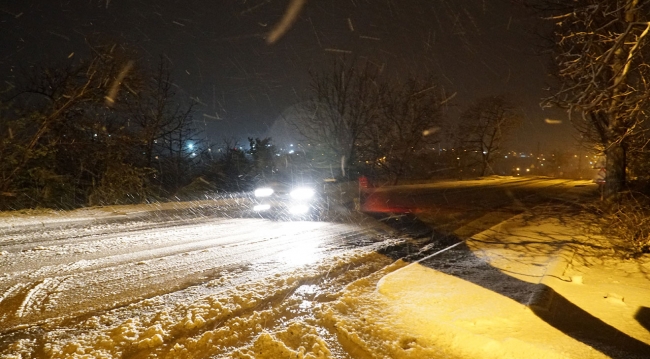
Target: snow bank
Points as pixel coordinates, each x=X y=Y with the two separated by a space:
x=257 y=319
x=298 y=341
x=471 y=321
x=43 y=217
x=414 y=311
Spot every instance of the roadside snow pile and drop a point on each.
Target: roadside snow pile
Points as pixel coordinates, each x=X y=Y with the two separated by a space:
x=367 y=326
x=471 y=321
x=27 y=218
x=44 y=217
x=274 y=317
x=505 y=295
x=297 y=341
x=220 y=321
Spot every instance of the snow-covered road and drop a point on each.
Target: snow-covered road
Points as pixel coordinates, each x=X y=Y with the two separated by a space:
x=195 y=281
x=57 y=274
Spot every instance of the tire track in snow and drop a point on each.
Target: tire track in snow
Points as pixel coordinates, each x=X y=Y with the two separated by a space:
x=37 y=295
x=173 y=263
x=289 y=303
x=7 y=296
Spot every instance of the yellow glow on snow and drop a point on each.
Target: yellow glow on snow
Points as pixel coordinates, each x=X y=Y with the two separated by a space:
x=454 y=319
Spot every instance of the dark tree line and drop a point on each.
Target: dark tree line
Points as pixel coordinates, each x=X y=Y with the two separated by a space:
x=484 y=128
x=61 y=133
x=105 y=130
x=358 y=121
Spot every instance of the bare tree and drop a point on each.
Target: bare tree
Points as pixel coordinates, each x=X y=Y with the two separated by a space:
x=179 y=151
x=409 y=117
x=342 y=101
x=55 y=131
x=601 y=55
x=157 y=113
x=263 y=154
x=234 y=166
x=484 y=128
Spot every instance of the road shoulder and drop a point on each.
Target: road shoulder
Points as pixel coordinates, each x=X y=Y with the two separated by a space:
x=533 y=286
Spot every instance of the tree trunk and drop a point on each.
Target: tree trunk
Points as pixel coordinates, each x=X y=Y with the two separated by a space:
x=615 y=167
x=484 y=167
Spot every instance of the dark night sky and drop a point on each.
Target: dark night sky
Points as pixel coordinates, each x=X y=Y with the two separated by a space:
x=219 y=55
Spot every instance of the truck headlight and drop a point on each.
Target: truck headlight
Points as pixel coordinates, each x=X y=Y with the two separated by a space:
x=302 y=193
x=263 y=192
